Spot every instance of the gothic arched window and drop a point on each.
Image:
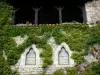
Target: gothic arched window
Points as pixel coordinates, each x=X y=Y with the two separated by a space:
x=31 y=57
x=63 y=57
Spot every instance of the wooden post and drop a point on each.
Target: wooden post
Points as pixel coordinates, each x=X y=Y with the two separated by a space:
x=36 y=14
x=13 y=15
x=84 y=15
x=60 y=14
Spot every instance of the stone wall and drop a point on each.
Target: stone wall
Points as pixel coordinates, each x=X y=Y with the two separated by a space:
x=36 y=69
x=92 y=11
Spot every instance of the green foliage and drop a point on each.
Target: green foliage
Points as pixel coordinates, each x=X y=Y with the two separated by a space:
x=94 y=31
x=44 y=65
x=76 y=36
x=48 y=60
x=5 y=14
x=5 y=18
x=5 y=67
x=78 y=57
x=94 y=37
x=10 y=49
x=47 y=55
x=42 y=74
x=89 y=71
x=96 y=68
x=79 y=37
x=94 y=40
x=72 y=71
x=93 y=69
x=13 y=52
x=59 y=72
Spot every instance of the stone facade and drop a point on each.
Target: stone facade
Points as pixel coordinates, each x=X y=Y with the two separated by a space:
x=19 y=40
x=90 y=13
x=24 y=69
x=92 y=10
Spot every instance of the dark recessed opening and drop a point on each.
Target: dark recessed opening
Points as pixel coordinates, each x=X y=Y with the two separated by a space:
x=48 y=14
x=24 y=15
x=71 y=14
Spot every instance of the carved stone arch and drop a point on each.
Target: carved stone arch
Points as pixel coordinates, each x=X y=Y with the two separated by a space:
x=30 y=57
x=67 y=50
x=27 y=51
x=63 y=57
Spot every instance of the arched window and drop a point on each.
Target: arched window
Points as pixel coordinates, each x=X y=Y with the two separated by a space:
x=31 y=57
x=63 y=57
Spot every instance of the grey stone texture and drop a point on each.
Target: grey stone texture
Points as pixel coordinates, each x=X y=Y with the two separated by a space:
x=92 y=12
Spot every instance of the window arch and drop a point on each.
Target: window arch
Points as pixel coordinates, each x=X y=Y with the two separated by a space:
x=30 y=57
x=63 y=57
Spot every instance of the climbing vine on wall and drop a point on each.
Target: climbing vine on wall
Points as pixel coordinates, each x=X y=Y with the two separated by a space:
x=13 y=52
x=79 y=37
x=76 y=36
x=5 y=14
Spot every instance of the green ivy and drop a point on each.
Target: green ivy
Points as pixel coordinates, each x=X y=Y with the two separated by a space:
x=93 y=69
x=76 y=36
x=5 y=14
x=79 y=37
x=13 y=52
x=59 y=72
x=5 y=68
x=78 y=57
x=72 y=71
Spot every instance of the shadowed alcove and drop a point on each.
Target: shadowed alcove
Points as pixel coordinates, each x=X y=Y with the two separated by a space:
x=48 y=14
x=24 y=14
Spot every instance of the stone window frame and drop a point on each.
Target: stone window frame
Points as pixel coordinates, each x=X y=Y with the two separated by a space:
x=26 y=57
x=58 y=49
x=41 y=60
x=59 y=59
x=23 y=57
